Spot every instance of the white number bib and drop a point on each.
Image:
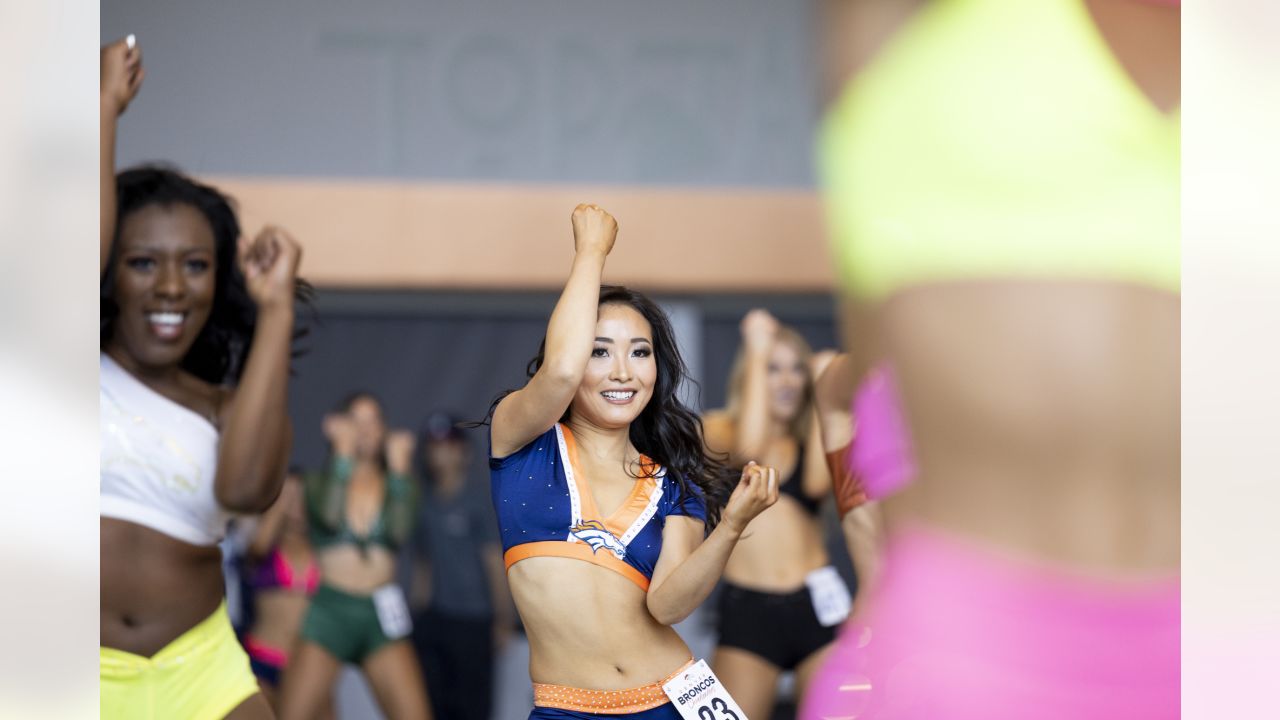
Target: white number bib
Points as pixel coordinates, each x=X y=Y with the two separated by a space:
x=393 y=611
x=698 y=695
x=831 y=601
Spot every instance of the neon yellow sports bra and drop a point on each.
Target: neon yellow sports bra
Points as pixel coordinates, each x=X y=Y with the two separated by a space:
x=996 y=138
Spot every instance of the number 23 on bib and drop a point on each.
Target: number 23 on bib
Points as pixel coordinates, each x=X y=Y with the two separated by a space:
x=698 y=695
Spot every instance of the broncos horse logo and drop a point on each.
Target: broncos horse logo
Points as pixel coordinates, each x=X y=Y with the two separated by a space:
x=593 y=533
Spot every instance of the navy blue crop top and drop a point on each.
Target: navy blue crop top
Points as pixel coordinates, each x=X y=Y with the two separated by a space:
x=545 y=508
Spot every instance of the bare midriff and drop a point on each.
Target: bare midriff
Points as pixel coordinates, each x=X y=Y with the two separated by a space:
x=589 y=627
x=1045 y=416
x=153 y=587
x=780 y=547
x=344 y=567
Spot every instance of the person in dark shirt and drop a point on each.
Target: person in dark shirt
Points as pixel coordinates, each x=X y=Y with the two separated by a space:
x=458 y=592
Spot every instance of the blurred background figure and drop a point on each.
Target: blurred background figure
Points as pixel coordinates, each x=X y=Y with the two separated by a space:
x=462 y=611
x=781 y=602
x=1002 y=183
x=866 y=465
x=281 y=574
x=361 y=509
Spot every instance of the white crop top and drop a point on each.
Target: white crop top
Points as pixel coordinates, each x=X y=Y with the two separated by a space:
x=157 y=460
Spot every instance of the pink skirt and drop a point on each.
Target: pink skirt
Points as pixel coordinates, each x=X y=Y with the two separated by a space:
x=955 y=632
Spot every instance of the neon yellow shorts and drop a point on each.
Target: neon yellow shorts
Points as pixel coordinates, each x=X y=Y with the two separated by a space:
x=204 y=673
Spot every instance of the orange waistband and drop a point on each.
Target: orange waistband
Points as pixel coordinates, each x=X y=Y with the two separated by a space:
x=604 y=702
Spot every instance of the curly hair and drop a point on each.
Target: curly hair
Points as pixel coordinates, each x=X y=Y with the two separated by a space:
x=219 y=352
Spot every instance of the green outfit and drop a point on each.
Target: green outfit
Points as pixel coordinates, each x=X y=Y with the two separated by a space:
x=327 y=506
x=347 y=625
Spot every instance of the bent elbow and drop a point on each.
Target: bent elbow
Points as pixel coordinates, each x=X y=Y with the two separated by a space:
x=666 y=620
x=246 y=497
x=665 y=616
x=563 y=372
x=671 y=618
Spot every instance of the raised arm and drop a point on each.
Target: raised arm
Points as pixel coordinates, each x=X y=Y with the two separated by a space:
x=327 y=489
x=402 y=491
x=832 y=399
x=817 y=476
x=860 y=520
x=527 y=413
x=833 y=396
x=751 y=433
x=256 y=433
x=120 y=76
x=689 y=567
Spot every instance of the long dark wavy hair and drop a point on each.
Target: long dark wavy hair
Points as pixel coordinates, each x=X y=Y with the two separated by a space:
x=666 y=430
x=220 y=350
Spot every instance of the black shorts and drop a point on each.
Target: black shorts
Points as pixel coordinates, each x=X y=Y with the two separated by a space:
x=780 y=628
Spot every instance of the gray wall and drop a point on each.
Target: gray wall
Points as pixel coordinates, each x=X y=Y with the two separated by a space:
x=688 y=92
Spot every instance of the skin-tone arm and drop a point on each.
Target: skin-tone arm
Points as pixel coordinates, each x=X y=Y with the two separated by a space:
x=256 y=433
x=504 y=611
x=270 y=526
x=527 y=413
x=833 y=396
x=832 y=399
x=121 y=76
x=863 y=535
x=751 y=436
x=327 y=490
x=689 y=567
x=402 y=491
x=817 y=479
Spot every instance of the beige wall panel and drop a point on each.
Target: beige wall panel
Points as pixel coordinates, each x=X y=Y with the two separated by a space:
x=408 y=235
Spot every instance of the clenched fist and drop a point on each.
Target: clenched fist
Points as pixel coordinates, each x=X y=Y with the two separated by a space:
x=120 y=76
x=270 y=266
x=399 y=448
x=593 y=229
x=340 y=431
x=759 y=328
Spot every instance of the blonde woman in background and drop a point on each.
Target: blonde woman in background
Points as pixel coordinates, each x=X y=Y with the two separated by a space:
x=782 y=601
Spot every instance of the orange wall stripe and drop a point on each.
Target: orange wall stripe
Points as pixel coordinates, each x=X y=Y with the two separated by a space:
x=382 y=234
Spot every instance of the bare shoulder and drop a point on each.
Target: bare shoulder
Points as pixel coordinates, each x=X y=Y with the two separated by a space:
x=853 y=32
x=717 y=431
